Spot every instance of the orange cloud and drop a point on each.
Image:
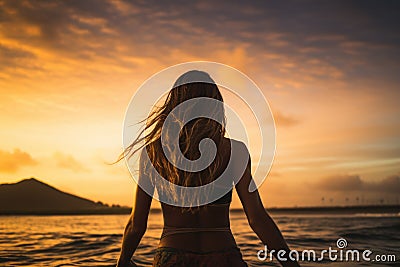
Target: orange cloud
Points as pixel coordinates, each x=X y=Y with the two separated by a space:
x=11 y=162
x=345 y=183
x=284 y=120
x=69 y=162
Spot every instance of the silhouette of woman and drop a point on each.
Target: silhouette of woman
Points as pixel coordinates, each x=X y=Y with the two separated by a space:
x=194 y=234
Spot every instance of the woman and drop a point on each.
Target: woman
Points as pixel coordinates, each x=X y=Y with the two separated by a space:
x=194 y=235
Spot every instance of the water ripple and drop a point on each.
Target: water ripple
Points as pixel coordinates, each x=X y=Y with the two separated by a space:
x=95 y=240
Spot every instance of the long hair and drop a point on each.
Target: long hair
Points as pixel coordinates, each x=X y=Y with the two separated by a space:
x=190 y=85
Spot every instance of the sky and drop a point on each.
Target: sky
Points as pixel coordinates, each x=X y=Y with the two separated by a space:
x=329 y=70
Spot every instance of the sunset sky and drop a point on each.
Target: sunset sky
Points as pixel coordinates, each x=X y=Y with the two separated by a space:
x=329 y=69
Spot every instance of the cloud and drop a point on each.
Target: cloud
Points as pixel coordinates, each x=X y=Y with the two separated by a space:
x=11 y=162
x=114 y=32
x=341 y=183
x=67 y=161
x=390 y=184
x=285 y=120
x=351 y=183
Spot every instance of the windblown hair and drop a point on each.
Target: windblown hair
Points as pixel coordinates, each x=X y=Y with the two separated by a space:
x=190 y=134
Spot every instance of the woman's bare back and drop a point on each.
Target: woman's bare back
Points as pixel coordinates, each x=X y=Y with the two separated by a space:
x=207 y=216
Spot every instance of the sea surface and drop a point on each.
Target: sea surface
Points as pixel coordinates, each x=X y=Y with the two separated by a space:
x=94 y=240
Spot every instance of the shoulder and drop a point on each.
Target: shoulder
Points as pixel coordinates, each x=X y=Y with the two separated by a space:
x=236 y=145
x=239 y=151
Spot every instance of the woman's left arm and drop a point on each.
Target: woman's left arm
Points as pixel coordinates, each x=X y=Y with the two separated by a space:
x=137 y=224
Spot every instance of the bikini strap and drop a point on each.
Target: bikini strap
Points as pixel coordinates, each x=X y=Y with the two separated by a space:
x=168 y=230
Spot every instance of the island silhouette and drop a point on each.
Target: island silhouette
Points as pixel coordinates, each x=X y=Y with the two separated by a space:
x=32 y=196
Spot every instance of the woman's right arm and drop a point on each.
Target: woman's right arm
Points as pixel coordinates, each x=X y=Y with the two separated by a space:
x=137 y=223
x=259 y=220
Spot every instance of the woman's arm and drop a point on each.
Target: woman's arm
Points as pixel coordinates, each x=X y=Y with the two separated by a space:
x=259 y=220
x=137 y=223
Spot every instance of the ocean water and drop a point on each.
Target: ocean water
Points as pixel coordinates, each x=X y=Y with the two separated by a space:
x=94 y=240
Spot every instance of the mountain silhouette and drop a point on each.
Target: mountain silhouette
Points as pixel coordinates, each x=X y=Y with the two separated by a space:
x=31 y=196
